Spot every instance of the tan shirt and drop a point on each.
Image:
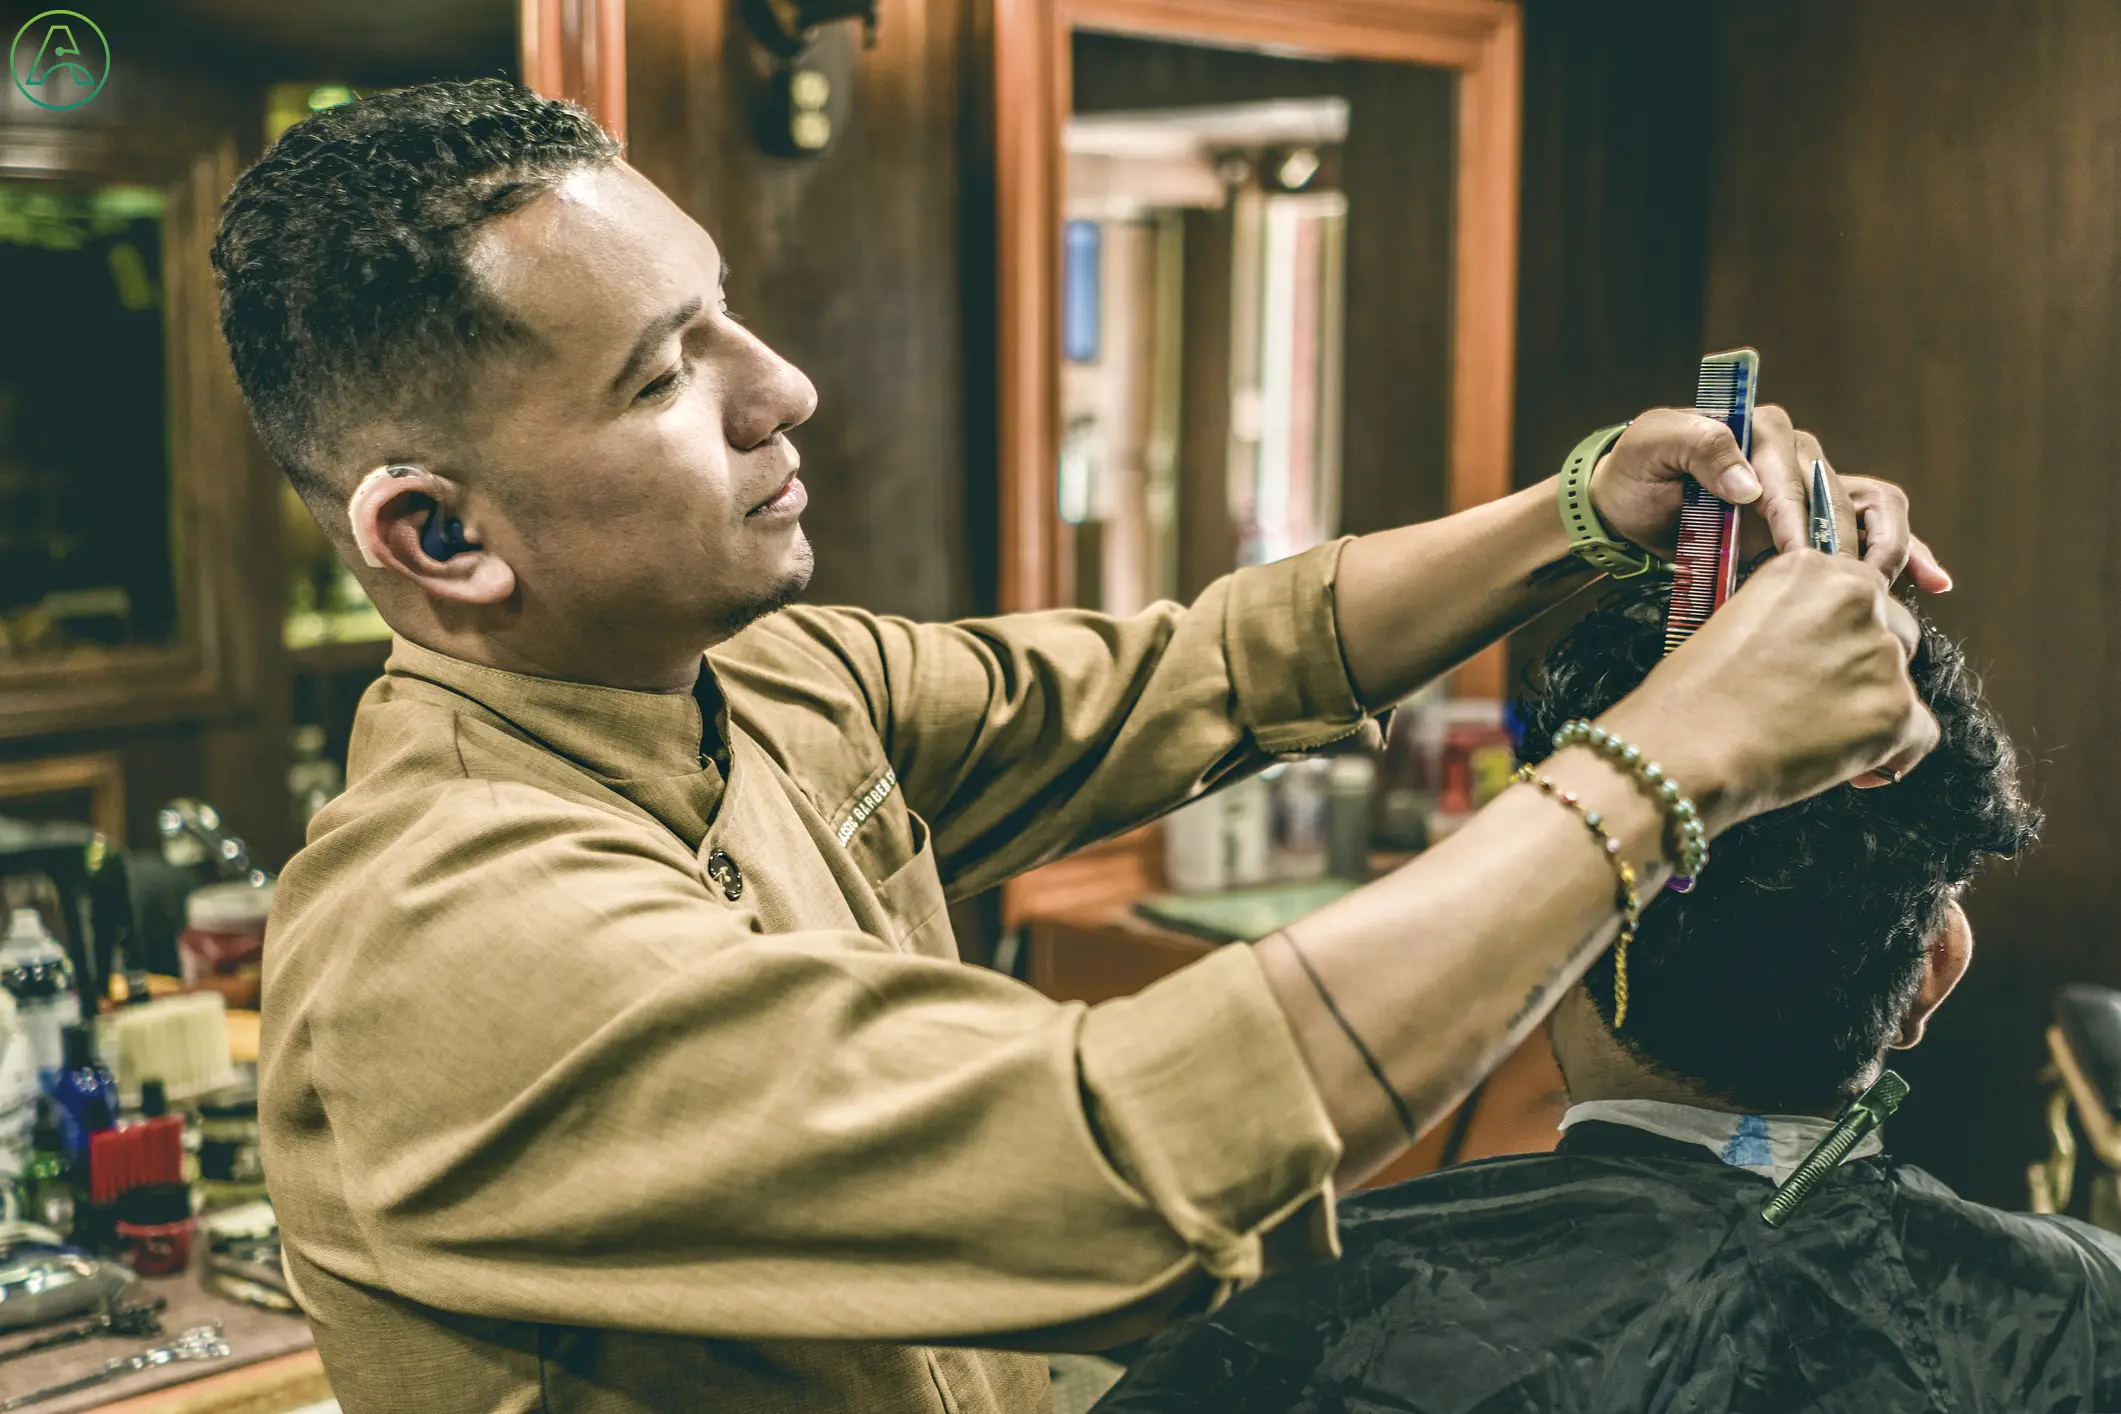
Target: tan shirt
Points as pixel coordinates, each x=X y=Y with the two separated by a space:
x=595 y=1082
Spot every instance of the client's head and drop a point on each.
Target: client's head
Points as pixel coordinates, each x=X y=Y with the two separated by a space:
x=1820 y=935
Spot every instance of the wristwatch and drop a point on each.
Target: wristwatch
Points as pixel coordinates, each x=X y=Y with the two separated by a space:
x=1588 y=539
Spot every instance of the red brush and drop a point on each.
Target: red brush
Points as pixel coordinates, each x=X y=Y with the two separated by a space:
x=145 y=1154
x=115 y=1164
x=154 y=1206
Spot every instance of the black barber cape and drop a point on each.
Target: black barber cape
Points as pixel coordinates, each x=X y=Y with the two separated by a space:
x=1629 y=1272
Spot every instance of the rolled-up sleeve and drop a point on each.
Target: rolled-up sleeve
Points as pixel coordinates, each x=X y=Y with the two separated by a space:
x=649 y=1114
x=1022 y=738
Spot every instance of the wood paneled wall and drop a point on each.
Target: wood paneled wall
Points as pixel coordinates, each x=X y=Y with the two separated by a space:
x=1910 y=209
x=858 y=265
x=1619 y=122
x=1919 y=225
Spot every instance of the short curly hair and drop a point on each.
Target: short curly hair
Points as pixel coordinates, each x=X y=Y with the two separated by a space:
x=1780 y=980
x=341 y=254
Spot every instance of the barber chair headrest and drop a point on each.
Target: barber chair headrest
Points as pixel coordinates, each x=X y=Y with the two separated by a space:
x=2085 y=1042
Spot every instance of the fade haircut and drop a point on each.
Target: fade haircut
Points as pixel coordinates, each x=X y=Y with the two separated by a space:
x=1784 y=975
x=341 y=257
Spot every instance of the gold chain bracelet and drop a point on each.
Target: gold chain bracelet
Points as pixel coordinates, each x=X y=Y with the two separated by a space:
x=1624 y=874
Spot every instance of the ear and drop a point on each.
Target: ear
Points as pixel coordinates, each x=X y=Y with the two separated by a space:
x=405 y=519
x=1951 y=952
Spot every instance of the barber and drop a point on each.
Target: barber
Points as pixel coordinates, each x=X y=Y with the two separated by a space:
x=617 y=1055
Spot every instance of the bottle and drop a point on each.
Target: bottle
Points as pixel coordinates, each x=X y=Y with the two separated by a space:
x=34 y=969
x=1300 y=825
x=313 y=779
x=1349 y=787
x=97 y=1172
x=45 y=1187
x=20 y=1089
x=85 y=1094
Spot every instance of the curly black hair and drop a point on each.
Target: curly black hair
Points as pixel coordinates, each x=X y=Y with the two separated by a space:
x=341 y=254
x=1780 y=980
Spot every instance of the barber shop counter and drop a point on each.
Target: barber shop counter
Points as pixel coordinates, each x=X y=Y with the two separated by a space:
x=271 y=1367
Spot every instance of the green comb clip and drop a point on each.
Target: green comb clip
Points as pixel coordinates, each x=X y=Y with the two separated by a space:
x=1864 y=1114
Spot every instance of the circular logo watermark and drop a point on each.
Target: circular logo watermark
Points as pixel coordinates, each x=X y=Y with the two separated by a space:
x=59 y=59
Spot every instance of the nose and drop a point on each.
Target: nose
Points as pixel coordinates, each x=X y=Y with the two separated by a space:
x=772 y=396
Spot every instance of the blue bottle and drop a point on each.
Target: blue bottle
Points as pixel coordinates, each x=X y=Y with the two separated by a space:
x=81 y=1080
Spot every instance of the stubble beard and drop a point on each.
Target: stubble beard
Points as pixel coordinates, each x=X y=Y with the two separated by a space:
x=773 y=597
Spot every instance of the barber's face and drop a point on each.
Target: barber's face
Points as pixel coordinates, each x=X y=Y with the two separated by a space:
x=639 y=473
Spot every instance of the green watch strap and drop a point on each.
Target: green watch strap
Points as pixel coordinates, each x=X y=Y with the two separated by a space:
x=1588 y=540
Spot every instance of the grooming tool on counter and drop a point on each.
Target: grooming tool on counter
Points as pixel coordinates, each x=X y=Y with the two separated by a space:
x=121 y=1322
x=198 y=1343
x=181 y=1041
x=242 y=1260
x=41 y=1283
x=1705 y=568
x=1825 y=538
x=153 y=1204
x=1864 y=1114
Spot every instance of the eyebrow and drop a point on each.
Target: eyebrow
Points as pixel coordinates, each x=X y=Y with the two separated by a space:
x=651 y=339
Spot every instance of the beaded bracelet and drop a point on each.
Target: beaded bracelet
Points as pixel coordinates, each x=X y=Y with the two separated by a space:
x=1624 y=872
x=1690 y=845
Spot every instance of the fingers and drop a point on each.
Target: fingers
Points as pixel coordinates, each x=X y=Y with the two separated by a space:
x=1921 y=732
x=1710 y=454
x=1900 y=622
x=1784 y=478
x=1881 y=514
x=1919 y=741
x=1923 y=568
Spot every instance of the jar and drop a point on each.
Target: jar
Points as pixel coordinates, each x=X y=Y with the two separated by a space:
x=231 y=1167
x=223 y=944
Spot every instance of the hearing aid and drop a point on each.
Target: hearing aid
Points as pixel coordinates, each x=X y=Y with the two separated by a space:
x=441 y=537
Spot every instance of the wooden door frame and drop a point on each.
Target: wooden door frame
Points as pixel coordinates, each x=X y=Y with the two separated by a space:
x=1482 y=41
x=576 y=49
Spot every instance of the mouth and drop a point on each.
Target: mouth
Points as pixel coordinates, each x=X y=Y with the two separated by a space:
x=786 y=503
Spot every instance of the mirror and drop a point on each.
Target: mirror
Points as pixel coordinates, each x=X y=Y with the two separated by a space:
x=1257 y=284
x=1257 y=277
x=1222 y=402
x=120 y=568
x=83 y=265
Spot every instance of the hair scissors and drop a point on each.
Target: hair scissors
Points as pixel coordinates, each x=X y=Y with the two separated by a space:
x=1824 y=535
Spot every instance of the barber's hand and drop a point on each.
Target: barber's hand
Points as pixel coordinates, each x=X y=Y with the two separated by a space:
x=1637 y=487
x=1798 y=683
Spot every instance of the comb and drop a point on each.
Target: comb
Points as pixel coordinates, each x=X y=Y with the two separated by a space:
x=1706 y=566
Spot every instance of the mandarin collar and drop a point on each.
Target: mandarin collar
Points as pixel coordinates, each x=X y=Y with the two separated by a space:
x=612 y=732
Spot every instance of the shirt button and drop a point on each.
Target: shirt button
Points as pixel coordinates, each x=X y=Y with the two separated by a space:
x=722 y=869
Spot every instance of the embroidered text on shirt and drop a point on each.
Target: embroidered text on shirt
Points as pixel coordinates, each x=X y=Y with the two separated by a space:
x=866 y=806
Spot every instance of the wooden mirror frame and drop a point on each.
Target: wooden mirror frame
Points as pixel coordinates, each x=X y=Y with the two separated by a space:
x=576 y=49
x=211 y=666
x=1480 y=40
